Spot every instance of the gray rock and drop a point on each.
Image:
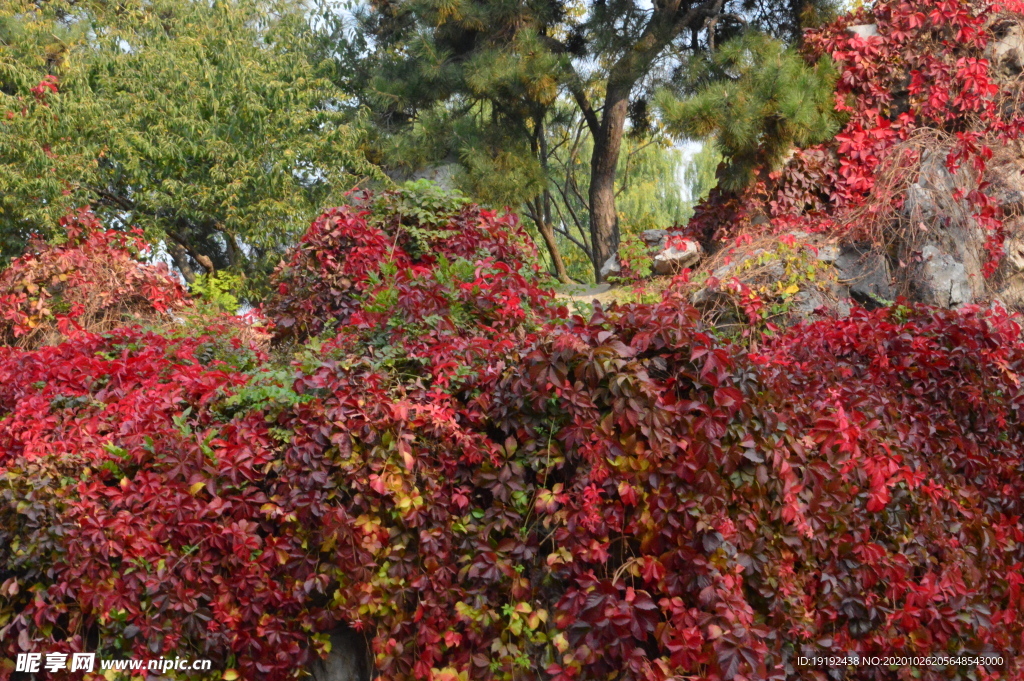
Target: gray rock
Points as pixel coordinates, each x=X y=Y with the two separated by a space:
x=1006 y=51
x=349 y=659
x=866 y=272
x=654 y=238
x=933 y=212
x=683 y=253
x=611 y=266
x=828 y=253
x=1013 y=248
x=941 y=280
x=774 y=268
x=704 y=296
x=1012 y=294
x=806 y=302
x=864 y=30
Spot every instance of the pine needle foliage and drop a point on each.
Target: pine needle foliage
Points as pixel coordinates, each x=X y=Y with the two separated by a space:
x=756 y=99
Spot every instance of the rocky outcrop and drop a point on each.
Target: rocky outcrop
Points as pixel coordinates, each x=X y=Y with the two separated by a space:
x=671 y=250
x=1006 y=51
x=654 y=239
x=941 y=280
x=865 y=275
x=947 y=247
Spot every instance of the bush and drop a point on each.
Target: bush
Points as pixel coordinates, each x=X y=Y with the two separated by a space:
x=93 y=281
x=405 y=232
x=489 y=488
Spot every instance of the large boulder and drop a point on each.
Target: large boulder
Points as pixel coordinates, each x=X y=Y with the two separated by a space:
x=866 y=273
x=654 y=239
x=677 y=254
x=941 y=280
x=1006 y=51
x=938 y=215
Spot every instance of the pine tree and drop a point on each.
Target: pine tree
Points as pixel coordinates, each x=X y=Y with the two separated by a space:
x=755 y=99
x=508 y=62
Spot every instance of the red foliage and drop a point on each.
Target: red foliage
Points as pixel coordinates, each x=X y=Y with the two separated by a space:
x=94 y=280
x=346 y=249
x=925 y=70
x=48 y=85
x=328 y=271
x=489 y=489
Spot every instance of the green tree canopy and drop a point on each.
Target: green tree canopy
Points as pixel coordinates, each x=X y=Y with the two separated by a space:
x=514 y=64
x=755 y=99
x=208 y=125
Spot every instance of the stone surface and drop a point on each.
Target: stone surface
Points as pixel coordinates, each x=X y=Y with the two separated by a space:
x=807 y=301
x=937 y=216
x=348 y=660
x=679 y=254
x=864 y=30
x=654 y=238
x=828 y=253
x=1012 y=293
x=1014 y=249
x=866 y=272
x=1006 y=50
x=941 y=280
x=611 y=266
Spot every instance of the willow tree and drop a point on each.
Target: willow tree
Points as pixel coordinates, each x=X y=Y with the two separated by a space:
x=207 y=125
x=606 y=57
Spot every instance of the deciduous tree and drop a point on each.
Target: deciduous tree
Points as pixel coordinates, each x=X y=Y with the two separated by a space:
x=207 y=125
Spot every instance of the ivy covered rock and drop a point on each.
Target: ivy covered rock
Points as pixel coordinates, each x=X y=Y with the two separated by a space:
x=923 y=176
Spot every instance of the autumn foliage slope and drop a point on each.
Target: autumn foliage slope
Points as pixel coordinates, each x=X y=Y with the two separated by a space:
x=488 y=487
x=439 y=455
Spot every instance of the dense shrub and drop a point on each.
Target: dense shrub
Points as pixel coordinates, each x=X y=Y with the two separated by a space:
x=404 y=233
x=94 y=280
x=904 y=425
x=489 y=488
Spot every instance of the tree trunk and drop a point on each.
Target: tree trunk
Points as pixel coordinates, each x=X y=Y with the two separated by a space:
x=180 y=257
x=542 y=209
x=547 y=231
x=604 y=221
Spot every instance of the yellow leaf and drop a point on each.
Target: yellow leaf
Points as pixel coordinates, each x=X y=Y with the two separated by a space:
x=791 y=289
x=229 y=675
x=196 y=486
